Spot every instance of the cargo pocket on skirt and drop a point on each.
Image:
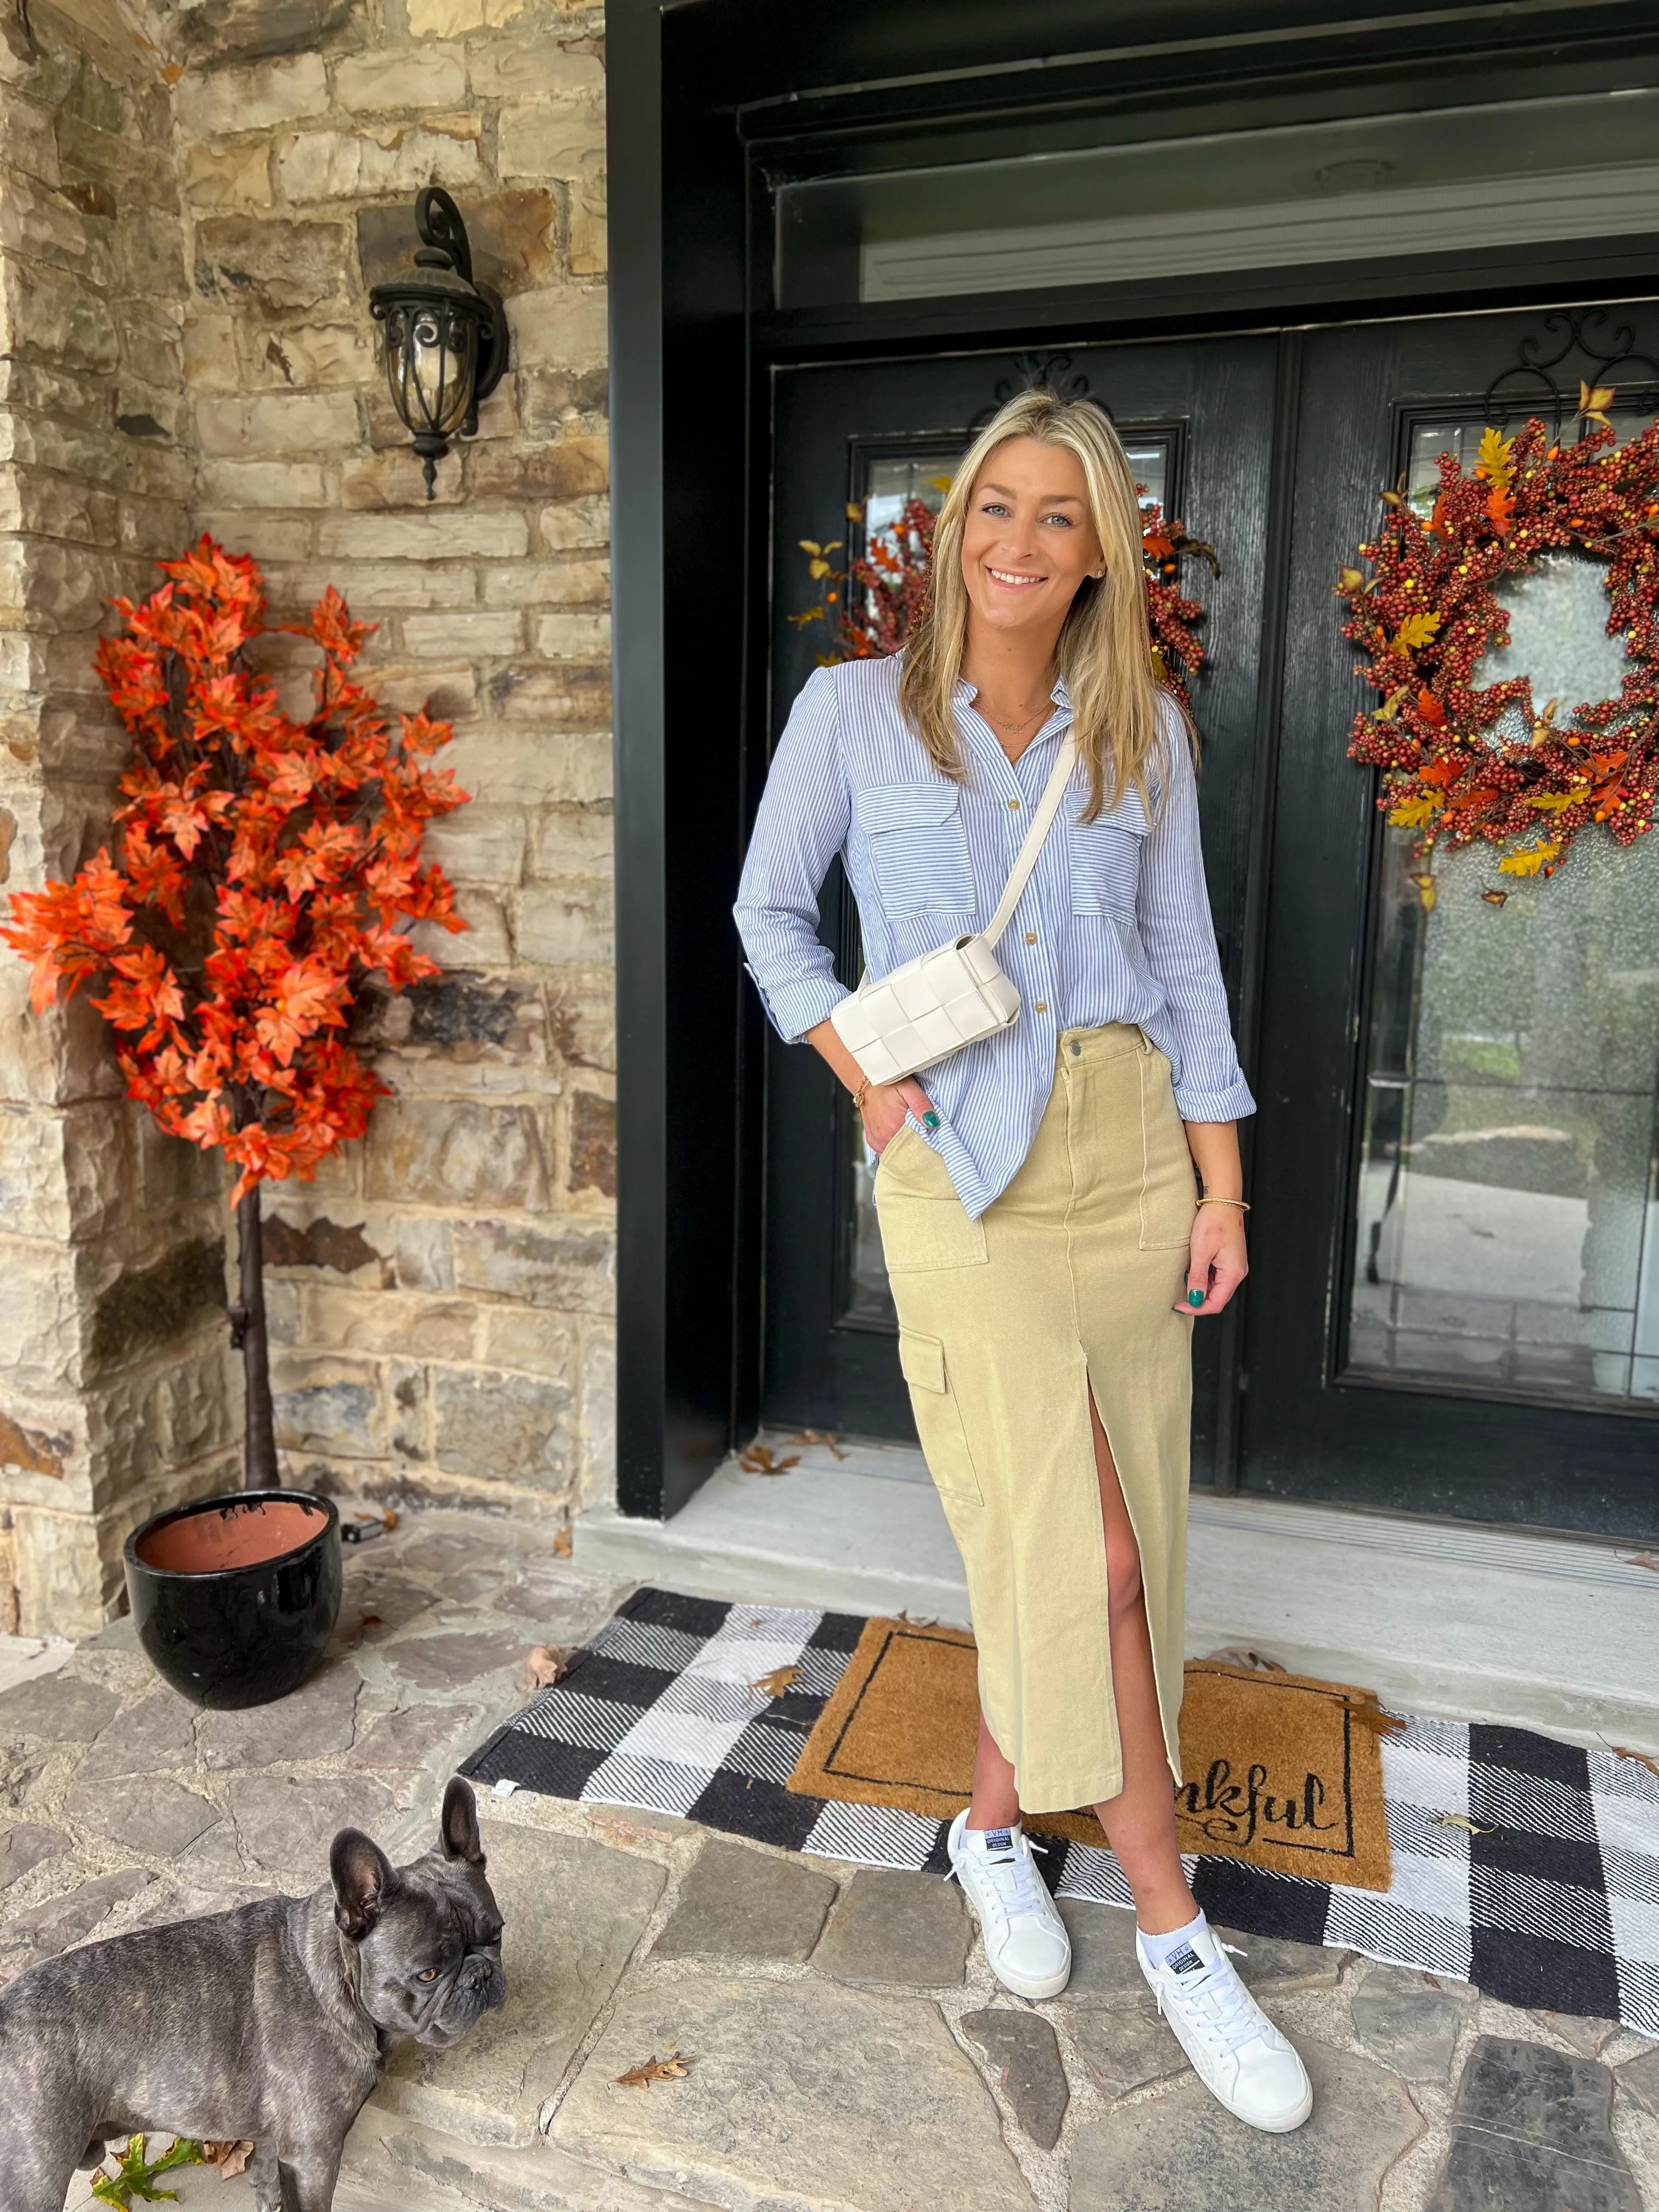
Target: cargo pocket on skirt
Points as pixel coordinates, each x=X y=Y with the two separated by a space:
x=923 y=1222
x=938 y=1419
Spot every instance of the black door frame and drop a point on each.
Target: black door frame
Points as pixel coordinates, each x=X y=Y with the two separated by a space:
x=707 y=100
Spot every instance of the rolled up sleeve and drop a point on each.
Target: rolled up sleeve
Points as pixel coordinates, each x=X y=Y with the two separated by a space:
x=1178 y=935
x=805 y=813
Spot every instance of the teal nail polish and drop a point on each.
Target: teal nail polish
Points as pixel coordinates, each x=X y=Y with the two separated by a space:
x=1194 y=1297
x=930 y=1119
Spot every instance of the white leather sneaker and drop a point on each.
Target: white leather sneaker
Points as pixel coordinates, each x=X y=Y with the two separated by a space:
x=1236 y=2052
x=1026 y=1945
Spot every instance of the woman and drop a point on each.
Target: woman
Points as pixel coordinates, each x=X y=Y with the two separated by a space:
x=1057 y=1202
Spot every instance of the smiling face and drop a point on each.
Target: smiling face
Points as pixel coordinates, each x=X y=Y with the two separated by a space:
x=1029 y=539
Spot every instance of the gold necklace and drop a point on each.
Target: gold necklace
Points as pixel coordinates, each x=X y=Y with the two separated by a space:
x=1013 y=728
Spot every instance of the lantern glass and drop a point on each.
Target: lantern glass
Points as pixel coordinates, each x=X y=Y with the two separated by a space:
x=431 y=360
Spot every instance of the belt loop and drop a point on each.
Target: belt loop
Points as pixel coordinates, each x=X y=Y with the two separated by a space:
x=1145 y=1042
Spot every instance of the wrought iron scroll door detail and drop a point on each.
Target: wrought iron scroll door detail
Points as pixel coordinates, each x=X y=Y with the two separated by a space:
x=1531 y=376
x=1037 y=372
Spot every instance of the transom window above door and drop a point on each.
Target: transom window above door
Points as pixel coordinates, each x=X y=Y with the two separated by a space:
x=1344 y=188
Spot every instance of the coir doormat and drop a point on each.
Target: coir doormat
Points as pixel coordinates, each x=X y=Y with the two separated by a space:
x=1529 y=1867
x=1282 y=1771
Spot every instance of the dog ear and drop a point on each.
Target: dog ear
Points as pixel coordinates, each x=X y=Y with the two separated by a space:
x=364 y=1877
x=459 y=1825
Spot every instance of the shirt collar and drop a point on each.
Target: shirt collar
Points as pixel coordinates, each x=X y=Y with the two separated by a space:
x=966 y=693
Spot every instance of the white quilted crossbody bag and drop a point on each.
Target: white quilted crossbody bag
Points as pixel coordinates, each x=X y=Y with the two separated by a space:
x=956 y=994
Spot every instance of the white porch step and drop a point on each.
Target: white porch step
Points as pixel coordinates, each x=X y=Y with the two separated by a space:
x=863 y=1534
x=1468 y=1622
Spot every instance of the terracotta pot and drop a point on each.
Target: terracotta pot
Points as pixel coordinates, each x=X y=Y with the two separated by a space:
x=235 y=1597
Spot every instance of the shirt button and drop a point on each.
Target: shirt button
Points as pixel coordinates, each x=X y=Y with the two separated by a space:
x=1040 y=1007
x=1014 y=804
x=1031 y=937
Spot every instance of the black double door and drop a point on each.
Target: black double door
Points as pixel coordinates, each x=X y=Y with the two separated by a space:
x=1453 y=1303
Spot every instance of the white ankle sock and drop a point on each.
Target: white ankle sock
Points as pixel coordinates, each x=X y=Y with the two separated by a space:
x=1165 y=1950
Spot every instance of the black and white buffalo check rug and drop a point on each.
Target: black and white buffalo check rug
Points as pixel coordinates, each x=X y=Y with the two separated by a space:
x=1528 y=1867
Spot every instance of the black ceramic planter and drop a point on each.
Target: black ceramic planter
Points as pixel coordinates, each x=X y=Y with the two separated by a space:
x=235 y=1597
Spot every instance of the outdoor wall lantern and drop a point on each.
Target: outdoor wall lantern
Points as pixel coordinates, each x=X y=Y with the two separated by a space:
x=445 y=334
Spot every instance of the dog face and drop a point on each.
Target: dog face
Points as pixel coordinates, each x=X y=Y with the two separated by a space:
x=427 y=1936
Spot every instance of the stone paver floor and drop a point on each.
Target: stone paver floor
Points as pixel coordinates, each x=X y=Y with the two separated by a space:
x=851 y=2050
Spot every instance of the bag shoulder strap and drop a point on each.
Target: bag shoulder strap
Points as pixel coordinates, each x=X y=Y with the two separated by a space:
x=1041 y=822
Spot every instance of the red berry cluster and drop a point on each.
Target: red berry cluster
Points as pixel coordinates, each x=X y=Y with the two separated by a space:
x=1429 y=611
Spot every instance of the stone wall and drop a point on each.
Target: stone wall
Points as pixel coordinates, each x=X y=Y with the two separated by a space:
x=113 y=1353
x=188 y=229
x=442 y=1297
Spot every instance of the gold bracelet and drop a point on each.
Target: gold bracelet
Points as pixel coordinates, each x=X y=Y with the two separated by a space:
x=858 y=1096
x=1242 y=1204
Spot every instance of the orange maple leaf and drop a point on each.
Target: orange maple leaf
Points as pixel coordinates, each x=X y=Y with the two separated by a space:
x=305 y=999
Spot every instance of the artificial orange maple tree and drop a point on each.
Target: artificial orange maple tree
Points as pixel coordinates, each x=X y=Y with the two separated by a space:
x=261 y=872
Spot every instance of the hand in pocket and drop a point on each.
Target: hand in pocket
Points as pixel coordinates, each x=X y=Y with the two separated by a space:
x=886 y=1106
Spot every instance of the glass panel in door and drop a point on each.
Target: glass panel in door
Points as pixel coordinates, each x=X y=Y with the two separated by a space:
x=1507 y=1210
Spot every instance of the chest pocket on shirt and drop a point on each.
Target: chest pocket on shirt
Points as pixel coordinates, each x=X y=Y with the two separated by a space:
x=1105 y=858
x=918 y=845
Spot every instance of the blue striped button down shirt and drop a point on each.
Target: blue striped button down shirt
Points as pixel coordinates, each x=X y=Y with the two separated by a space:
x=1114 y=924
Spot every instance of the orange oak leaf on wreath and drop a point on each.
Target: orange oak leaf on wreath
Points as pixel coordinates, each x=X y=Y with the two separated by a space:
x=264 y=872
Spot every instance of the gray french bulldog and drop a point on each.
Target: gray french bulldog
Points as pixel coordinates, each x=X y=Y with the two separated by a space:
x=272 y=2021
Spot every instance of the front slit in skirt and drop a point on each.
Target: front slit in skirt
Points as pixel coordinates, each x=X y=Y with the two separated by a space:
x=1069 y=1281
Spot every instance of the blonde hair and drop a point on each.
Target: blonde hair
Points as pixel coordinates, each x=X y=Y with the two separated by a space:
x=1105 y=647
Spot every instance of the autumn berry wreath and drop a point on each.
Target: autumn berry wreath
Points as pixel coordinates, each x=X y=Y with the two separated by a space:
x=1429 y=611
x=891 y=585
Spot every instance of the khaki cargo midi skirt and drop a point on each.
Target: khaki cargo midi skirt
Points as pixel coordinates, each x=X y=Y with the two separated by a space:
x=1068 y=1282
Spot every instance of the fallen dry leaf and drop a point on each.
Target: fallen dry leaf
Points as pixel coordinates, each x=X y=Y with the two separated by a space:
x=561 y=1545
x=910 y=1620
x=1623 y=1750
x=351 y=1637
x=135 y=2172
x=825 y=1437
x=1648 y=1559
x=1234 y=1655
x=1374 y=1718
x=759 y=1460
x=1461 y=1820
x=547 y=1664
x=775 y=1684
x=231 y=2158
x=674 y=2068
